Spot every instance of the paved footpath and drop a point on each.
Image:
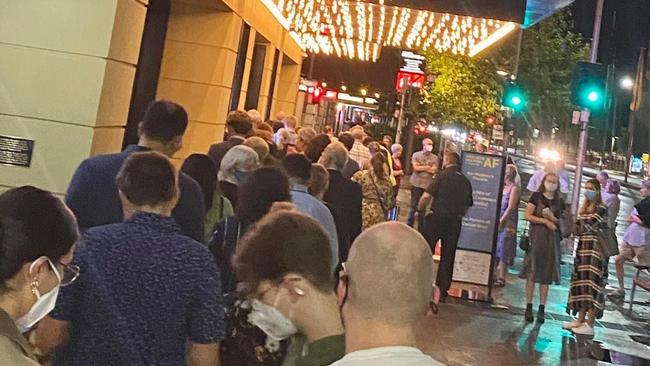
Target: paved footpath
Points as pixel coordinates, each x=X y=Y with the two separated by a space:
x=473 y=333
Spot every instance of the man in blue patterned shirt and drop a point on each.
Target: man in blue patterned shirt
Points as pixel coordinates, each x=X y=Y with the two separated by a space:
x=146 y=294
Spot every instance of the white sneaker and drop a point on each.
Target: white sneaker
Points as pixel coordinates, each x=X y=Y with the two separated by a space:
x=571 y=325
x=584 y=329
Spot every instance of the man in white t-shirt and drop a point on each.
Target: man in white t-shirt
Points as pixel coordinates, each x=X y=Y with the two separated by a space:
x=385 y=290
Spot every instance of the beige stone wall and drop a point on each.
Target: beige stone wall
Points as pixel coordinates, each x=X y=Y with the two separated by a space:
x=67 y=69
x=287 y=89
x=266 y=80
x=66 y=75
x=199 y=62
x=197 y=70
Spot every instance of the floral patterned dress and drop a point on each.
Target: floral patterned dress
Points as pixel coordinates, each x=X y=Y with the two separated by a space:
x=378 y=197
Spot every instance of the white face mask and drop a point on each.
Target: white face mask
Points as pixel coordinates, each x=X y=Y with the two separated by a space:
x=271 y=321
x=550 y=187
x=428 y=148
x=43 y=305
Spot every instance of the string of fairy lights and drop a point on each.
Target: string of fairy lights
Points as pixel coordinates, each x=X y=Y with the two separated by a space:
x=359 y=29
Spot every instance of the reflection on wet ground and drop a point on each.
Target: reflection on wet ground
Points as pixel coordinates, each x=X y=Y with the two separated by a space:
x=479 y=333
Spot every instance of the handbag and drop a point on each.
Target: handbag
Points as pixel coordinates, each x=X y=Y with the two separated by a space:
x=379 y=198
x=524 y=241
x=608 y=242
x=567 y=225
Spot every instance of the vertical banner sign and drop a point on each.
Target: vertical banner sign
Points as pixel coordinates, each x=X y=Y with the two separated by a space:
x=477 y=242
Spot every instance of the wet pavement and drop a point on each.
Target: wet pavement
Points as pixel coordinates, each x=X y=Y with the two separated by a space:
x=478 y=333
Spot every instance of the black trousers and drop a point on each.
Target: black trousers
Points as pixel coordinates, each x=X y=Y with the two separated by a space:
x=445 y=228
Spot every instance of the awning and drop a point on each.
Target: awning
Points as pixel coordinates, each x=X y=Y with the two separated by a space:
x=359 y=29
x=523 y=12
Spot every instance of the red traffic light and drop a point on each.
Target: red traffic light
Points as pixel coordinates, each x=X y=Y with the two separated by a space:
x=317 y=94
x=420 y=130
x=490 y=120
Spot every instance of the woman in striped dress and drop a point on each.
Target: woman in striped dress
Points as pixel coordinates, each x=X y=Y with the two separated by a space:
x=586 y=293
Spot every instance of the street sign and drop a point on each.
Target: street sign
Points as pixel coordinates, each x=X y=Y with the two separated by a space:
x=645 y=157
x=412 y=72
x=576 y=118
x=497 y=132
x=412 y=62
x=406 y=79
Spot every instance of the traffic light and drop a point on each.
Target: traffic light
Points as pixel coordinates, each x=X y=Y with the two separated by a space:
x=514 y=97
x=589 y=85
x=317 y=95
x=490 y=120
x=420 y=129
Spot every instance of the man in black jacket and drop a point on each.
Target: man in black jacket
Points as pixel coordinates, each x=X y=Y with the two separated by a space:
x=93 y=195
x=344 y=196
x=451 y=193
x=238 y=126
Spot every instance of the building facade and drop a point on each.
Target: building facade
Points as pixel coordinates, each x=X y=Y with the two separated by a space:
x=76 y=75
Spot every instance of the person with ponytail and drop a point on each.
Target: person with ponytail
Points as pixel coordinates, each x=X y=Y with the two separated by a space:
x=586 y=292
x=377 y=191
x=37 y=238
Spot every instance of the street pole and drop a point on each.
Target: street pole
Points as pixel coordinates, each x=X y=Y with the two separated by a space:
x=582 y=148
x=635 y=105
x=515 y=73
x=400 y=119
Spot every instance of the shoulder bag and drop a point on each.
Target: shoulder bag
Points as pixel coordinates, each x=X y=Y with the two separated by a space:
x=379 y=198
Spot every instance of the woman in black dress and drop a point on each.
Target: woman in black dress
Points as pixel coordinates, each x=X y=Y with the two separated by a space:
x=542 y=264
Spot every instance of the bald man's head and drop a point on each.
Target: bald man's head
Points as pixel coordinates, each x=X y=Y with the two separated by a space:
x=390 y=275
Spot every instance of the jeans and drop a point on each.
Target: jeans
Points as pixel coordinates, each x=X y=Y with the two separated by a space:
x=416 y=194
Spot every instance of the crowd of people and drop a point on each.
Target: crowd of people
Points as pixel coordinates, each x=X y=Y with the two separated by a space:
x=549 y=223
x=276 y=247
x=263 y=251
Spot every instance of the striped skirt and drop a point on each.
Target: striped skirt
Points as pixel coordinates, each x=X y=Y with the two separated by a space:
x=586 y=291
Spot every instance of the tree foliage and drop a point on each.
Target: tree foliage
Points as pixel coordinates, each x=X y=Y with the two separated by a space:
x=465 y=91
x=550 y=49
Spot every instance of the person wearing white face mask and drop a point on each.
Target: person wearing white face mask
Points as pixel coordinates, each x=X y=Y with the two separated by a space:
x=285 y=261
x=542 y=263
x=425 y=166
x=37 y=236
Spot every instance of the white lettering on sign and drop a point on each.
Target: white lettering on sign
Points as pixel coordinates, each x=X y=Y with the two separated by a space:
x=413 y=62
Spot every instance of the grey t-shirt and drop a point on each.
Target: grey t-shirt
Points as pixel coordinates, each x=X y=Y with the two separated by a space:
x=423 y=179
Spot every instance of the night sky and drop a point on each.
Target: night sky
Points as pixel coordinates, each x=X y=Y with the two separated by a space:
x=626 y=28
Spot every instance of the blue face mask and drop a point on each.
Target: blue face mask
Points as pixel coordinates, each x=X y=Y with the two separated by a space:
x=241 y=176
x=590 y=194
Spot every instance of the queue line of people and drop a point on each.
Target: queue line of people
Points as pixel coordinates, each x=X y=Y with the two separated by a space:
x=144 y=281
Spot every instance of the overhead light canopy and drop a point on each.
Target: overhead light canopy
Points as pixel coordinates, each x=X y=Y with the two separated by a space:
x=359 y=29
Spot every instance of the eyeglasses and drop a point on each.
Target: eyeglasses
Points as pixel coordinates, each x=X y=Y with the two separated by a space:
x=70 y=274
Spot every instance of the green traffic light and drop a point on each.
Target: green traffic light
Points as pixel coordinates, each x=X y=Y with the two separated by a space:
x=516 y=100
x=593 y=96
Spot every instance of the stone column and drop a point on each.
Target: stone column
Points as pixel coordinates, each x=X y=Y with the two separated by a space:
x=66 y=76
x=197 y=70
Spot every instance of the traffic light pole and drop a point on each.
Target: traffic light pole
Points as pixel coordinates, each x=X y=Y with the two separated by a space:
x=400 y=119
x=582 y=148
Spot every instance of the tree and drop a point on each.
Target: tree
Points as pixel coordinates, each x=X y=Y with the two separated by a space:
x=465 y=91
x=550 y=49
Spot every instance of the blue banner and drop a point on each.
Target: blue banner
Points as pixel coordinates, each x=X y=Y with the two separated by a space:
x=480 y=224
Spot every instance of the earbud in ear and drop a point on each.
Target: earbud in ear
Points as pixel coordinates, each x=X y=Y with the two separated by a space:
x=299 y=291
